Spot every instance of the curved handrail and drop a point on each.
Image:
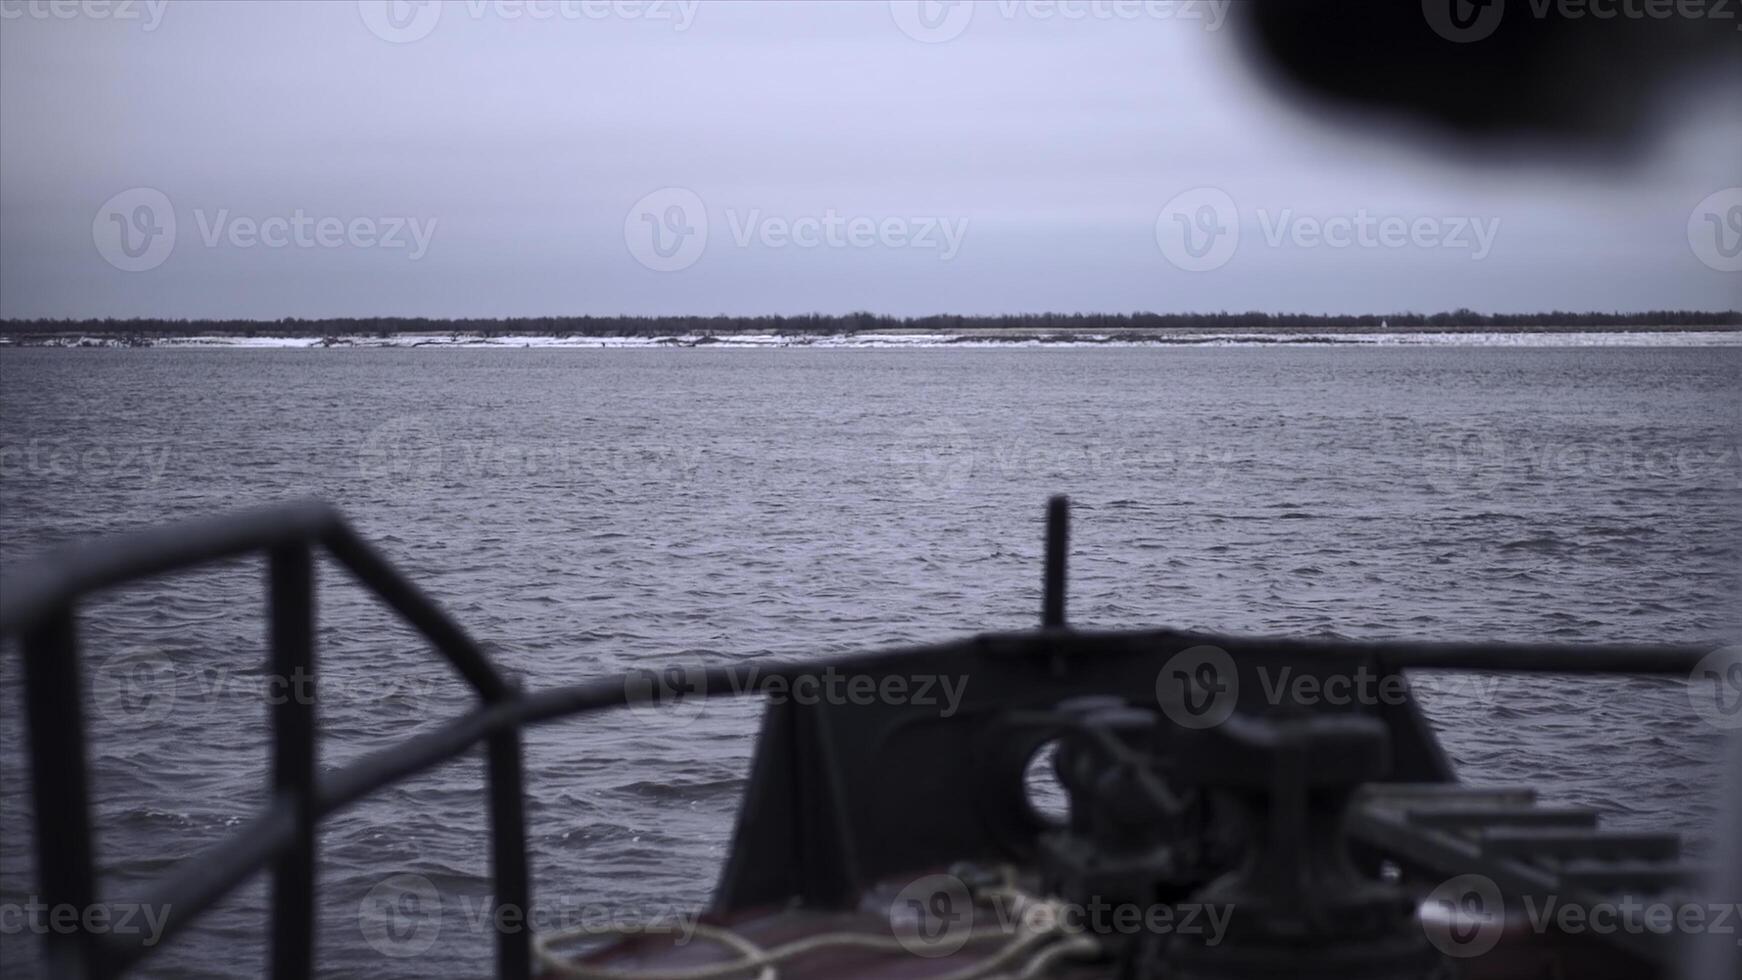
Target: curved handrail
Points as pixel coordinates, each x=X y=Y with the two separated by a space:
x=61 y=576
x=38 y=604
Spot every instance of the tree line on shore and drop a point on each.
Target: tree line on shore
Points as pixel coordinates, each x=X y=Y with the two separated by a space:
x=832 y=324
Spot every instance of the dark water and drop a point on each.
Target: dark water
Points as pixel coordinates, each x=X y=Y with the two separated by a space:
x=587 y=511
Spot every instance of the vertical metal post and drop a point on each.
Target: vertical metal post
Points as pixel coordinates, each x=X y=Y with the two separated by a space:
x=291 y=695
x=53 y=704
x=1052 y=610
x=508 y=856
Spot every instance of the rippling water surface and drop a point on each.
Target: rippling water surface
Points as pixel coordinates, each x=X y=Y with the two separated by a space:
x=583 y=512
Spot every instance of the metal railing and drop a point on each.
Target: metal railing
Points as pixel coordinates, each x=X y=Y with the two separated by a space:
x=41 y=610
x=38 y=605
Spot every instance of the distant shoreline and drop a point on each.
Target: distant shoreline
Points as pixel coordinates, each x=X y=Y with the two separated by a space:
x=869 y=330
x=1556 y=335
x=1109 y=327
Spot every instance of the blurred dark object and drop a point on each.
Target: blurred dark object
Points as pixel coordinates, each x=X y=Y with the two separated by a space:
x=1597 y=73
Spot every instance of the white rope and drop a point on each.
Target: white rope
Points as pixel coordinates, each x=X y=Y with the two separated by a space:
x=750 y=956
x=748 y=952
x=1076 y=946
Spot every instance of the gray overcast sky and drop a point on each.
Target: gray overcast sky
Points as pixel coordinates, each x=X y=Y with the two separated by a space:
x=484 y=158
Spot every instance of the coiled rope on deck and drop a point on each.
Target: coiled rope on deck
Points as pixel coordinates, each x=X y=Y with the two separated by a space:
x=753 y=957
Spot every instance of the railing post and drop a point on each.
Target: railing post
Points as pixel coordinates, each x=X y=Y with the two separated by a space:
x=513 y=890
x=1058 y=532
x=291 y=695
x=53 y=703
